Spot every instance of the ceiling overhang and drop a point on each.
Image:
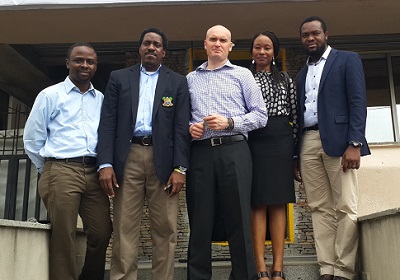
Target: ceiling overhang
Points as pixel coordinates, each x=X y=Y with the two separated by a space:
x=34 y=34
x=123 y=21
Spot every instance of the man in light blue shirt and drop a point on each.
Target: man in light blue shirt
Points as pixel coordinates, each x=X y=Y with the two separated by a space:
x=60 y=138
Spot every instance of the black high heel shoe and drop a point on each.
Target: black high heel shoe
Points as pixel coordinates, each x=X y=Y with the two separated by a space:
x=278 y=274
x=262 y=274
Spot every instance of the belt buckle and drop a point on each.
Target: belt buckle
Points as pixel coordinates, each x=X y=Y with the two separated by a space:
x=144 y=142
x=216 y=141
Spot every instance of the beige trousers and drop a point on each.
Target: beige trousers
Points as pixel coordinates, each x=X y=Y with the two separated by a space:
x=332 y=196
x=140 y=182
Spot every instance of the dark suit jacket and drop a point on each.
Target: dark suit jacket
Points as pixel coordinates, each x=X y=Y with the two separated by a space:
x=342 y=108
x=170 y=125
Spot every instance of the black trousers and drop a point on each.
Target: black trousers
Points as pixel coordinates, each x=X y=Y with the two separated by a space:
x=220 y=178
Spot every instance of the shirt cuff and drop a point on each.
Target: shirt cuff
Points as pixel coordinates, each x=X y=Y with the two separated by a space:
x=104 y=165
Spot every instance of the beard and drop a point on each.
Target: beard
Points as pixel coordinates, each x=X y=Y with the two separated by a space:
x=318 y=52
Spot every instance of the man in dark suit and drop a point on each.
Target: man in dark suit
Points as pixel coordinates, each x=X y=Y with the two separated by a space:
x=144 y=145
x=331 y=115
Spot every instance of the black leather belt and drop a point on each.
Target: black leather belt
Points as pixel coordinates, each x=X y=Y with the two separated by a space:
x=314 y=127
x=216 y=141
x=143 y=140
x=82 y=160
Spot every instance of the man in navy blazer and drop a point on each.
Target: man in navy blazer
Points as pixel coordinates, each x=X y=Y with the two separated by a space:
x=143 y=152
x=331 y=138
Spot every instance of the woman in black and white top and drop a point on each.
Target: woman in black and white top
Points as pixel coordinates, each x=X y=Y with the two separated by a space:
x=272 y=150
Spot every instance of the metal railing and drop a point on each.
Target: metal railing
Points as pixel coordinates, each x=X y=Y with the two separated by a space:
x=18 y=189
x=13 y=121
x=19 y=198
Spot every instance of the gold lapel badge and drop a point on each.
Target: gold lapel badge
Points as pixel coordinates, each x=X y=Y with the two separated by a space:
x=167 y=101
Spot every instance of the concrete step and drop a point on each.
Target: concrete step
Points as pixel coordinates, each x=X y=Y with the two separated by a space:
x=296 y=268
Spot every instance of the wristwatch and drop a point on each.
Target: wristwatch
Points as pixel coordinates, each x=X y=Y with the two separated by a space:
x=355 y=144
x=230 y=125
x=181 y=169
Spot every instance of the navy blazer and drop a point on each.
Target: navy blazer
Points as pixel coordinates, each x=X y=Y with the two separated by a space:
x=170 y=124
x=342 y=105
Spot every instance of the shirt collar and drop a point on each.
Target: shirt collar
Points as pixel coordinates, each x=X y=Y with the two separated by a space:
x=144 y=71
x=324 y=56
x=263 y=72
x=69 y=86
x=203 y=67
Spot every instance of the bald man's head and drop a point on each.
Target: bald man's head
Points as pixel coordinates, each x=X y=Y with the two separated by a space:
x=218 y=44
x=219 y=28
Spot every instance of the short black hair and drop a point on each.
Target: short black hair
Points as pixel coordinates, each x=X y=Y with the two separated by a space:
x=80 y=44
x=157 y=31
x=315 y=18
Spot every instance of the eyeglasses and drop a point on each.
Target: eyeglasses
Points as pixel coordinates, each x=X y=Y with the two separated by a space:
x=81 y=61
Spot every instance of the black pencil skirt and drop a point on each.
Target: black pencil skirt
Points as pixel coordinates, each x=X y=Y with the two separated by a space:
x=272 y=154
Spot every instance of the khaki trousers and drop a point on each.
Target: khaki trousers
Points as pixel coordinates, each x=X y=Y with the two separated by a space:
x=69 y=189
x=140 y=182
x=332 y=197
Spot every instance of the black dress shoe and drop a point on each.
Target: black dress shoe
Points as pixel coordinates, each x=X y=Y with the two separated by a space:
x=326 y=277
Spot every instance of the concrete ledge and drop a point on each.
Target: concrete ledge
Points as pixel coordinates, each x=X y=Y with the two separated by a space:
x=24 y=250
x=379 y=245
x=382 y=214
x=26 y=225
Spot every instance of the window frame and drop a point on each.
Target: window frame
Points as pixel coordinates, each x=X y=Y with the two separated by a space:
x=387 y=55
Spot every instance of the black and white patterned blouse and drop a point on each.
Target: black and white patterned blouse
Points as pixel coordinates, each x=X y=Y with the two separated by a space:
x=280 y=99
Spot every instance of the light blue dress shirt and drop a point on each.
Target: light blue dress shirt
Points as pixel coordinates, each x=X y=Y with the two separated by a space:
x=63 y=123
x=147 y=90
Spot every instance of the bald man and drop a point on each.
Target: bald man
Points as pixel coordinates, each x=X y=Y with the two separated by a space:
x=226 y=104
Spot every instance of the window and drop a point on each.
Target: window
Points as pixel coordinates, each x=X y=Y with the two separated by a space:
x=382 y=74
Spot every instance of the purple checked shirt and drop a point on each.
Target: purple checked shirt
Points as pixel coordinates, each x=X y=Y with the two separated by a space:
x=230 y=91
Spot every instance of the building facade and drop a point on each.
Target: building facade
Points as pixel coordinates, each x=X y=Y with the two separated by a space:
x=34 y=38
